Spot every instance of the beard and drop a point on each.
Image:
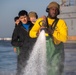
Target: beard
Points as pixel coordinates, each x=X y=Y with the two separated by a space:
x=52 y=17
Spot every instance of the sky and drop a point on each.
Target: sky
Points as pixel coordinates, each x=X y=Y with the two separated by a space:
x=10 y=8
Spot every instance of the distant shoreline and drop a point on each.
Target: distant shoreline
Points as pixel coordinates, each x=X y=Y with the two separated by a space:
x=8 y=39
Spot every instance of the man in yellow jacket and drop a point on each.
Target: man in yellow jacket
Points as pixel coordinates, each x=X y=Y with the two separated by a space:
x=56 y=34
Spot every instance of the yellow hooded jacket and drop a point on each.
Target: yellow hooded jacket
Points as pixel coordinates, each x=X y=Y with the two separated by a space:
x=60 y=33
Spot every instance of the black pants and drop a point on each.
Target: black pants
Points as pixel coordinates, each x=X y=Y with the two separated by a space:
x=23 y=57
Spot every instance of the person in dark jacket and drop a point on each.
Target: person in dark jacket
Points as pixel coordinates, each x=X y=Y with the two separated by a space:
x=25 y=43
x=16 y=20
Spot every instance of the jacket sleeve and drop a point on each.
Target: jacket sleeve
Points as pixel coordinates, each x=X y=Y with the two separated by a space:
x=35 y=29
x=15 y=39
x=61 y=31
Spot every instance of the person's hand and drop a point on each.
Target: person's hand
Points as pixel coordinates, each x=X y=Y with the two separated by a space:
x=14 y=49
x=42 y=28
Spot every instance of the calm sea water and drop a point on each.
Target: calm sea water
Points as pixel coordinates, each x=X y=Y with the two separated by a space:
x=8 y=59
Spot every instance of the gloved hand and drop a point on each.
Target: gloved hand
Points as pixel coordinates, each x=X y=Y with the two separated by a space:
x=43 y=26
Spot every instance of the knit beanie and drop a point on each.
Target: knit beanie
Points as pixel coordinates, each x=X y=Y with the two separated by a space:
x=54 y=4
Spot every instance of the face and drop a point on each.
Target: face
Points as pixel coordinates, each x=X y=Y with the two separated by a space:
x=53 y=12
x=24 y=19
x=32 y=19
x=17 y=21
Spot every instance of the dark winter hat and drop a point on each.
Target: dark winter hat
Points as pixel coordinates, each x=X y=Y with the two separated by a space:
x=33 y=14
